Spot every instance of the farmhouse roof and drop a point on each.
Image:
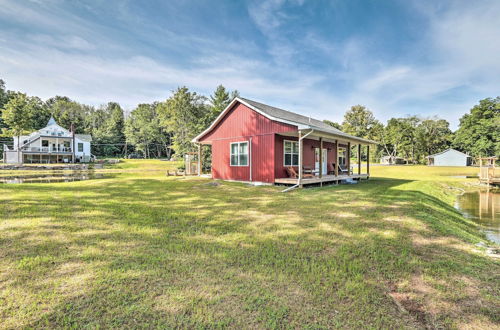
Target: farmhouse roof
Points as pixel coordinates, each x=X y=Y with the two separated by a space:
x=52 y=121
x=84 y=137
x=287 y=117
x=447 y=150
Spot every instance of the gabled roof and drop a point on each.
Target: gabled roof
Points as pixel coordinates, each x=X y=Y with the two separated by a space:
x=291 y=116
x=284 y=116
x=52 y=121
x=447 y=150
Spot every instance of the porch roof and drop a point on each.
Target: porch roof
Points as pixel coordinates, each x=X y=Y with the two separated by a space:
x=314 y=133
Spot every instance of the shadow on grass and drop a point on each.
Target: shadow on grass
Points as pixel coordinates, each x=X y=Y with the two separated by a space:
x=177 y=252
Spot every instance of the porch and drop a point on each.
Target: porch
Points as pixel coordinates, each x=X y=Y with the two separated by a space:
x=321 y=157
x=54 y=157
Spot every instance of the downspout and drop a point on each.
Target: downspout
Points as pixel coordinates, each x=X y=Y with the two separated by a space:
x=250 y=160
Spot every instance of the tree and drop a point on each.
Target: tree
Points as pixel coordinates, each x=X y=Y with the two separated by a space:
x=333 y=124
x=22 y=113
x=479 y=130
x=107 y=128
x=359 y=121
x=432 y=135
x=4 y=98
x=67 y=112
x=394 y=136
x=184 y=114
x=218 y=102
x=143 y=129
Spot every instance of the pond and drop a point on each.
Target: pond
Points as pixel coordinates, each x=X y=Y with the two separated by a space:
x=484 y=208
x=53 y=177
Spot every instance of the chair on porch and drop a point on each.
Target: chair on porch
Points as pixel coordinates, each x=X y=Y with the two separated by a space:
x=307 y=170
x=344 y=170
x=332 y=172
x=293 y=174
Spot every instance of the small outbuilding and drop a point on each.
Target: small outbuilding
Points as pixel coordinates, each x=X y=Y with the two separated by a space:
x=449 y=157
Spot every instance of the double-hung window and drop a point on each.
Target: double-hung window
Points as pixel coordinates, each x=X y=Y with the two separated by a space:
x=239 y=154
x=291 y=153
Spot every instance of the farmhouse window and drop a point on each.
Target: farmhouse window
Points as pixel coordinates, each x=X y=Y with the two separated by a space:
x=80 y=147
x=291 y=153
x=45 y=143
x=239 y=154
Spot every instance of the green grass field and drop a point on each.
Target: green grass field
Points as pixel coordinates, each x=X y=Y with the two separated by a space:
x=142 y=250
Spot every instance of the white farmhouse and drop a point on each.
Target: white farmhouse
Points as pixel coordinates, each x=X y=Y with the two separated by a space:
x=449 y=157
x=51 y=144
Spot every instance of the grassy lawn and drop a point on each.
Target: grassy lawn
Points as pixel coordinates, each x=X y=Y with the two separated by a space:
x=144 y=250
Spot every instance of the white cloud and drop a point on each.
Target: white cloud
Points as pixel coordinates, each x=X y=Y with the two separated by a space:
x=65 y=57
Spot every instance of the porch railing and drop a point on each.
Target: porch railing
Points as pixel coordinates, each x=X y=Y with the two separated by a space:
x=47 y=149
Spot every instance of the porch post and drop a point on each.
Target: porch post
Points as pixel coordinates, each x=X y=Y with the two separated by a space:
x=320 y=157
x=199 y=159
x=336 y=158
x=368 y=160
x=348 y=158
x=300 y=159
x=359 y=159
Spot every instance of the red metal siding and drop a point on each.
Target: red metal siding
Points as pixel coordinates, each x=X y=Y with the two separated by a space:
x=243 y=124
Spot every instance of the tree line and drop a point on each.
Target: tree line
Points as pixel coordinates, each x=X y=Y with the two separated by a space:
x=159 y=129
x=166 y=128
x=413 y=137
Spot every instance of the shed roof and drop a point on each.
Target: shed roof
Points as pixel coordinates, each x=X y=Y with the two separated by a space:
x=445 y=151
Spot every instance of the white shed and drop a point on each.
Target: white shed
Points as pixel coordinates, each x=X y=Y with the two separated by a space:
x=449 y=157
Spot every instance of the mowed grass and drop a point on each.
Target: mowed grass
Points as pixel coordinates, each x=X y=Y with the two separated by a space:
x=143 y=250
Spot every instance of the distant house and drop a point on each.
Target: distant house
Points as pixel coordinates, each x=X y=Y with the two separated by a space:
x=255 y=142
x=393 y=160
x=449 y=157
x=51 y=144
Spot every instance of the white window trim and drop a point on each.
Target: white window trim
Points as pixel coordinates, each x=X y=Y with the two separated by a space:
x=292 y=141
x=248 y=152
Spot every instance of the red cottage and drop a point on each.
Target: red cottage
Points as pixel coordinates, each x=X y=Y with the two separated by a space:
x=255 y=142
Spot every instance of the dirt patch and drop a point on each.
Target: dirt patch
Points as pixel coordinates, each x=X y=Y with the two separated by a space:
x=414 y=302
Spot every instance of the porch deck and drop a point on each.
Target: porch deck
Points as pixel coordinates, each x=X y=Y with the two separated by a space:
x=324 y=179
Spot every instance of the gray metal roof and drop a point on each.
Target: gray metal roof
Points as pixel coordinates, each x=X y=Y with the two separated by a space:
x=290 y=116
x=301 y=120
x=447 y=150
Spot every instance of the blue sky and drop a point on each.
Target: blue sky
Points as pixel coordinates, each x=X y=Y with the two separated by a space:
x=315 y=57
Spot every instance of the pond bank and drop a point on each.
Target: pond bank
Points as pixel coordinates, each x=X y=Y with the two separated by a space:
x=54 y=167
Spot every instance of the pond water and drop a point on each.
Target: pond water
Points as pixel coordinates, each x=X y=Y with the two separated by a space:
x=53 y=177
x=484 y=208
